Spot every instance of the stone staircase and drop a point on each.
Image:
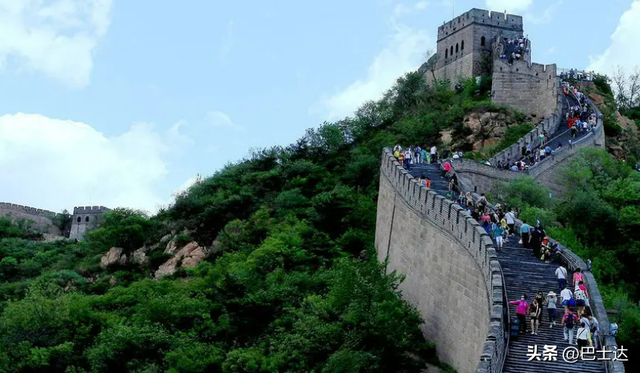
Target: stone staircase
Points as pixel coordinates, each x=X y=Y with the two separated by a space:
x=523 y=274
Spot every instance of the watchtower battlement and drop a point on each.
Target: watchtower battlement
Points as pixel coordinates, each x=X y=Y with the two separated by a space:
x=89 y=210
x=481 y=17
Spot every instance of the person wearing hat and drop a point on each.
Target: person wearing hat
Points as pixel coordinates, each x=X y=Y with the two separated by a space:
x=521 y=312
x=551 y=308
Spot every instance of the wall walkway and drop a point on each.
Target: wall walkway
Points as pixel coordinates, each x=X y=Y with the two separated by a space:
x=481 y=178
x=456 y=280
x=452 y=274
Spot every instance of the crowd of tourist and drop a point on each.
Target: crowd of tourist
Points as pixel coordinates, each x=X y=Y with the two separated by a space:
x=580 y=121
x=577 y=75
x=514 y=49
x=414 y=154
x=576 y=318
x=571 y=308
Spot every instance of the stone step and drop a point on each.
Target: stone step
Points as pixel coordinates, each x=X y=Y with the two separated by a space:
x=524 y=274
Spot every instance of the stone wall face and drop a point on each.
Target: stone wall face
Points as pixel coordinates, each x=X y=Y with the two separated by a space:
x=549 y=124
x=480 y=178
x=85 y=218
x=41 y=218
x=452 y=274
x=530 y=88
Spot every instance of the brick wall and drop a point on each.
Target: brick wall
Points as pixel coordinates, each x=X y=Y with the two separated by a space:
x=530 y=88
x=452 y=274
x=41 y=218
x=549 y=123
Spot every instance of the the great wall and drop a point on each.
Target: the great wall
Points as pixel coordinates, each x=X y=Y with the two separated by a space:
x=454 y=276
x=84 y=218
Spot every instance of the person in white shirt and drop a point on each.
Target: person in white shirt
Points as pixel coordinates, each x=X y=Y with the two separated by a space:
x=567 y=296
x=433 y=152
x=561 y=274
x=583 y=335
x=510 y=217
x=407 y=158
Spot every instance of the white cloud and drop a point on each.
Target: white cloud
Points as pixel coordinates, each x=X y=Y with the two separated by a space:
x=57 y=38
x=56 y=164
x=220 y=119
x=421 y=5
x=404 y=52
x=511 y=6
x=546 y=16
x=621 y=51
x=402 y=9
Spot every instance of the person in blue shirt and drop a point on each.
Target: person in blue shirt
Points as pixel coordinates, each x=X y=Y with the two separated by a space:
x=498 y=233
x=524 y=233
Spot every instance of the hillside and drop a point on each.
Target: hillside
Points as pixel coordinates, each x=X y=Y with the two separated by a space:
x=269 y=263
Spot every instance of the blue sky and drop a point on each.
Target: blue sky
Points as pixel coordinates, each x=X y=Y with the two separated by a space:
x=122 y=103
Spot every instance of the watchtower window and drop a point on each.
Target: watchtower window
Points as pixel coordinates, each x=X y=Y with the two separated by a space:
x=79 y=219
x=482 y=40
x=86 y=219
x=456 y=47
x=451 y=51
x=446 y=53
x=462 y=45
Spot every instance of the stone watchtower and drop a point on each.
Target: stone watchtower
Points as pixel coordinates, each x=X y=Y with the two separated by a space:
x=85 y=218
x=465 y=44
x=476 y=44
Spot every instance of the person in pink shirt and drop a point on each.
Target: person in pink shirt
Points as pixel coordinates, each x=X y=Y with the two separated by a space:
x=582 y=297
x=577 y=277
x=521 y=312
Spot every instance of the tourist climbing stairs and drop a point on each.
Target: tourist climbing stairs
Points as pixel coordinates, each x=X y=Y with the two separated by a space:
x=524 y=274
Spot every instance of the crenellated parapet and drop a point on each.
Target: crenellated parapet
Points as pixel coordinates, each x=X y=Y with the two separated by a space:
x=26 y=209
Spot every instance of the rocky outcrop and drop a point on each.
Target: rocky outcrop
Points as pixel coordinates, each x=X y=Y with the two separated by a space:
x=481 y=130
x=596 y=98
x=171 y=248
x=627 y=124
x=112 y=257
x=189 y=256
x=624 y=142
x=140 y=256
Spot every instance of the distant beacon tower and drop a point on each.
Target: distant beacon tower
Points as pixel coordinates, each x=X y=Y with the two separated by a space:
x=465 y=44
x=85 y=218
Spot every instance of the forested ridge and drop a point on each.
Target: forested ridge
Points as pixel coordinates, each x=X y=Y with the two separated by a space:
x=291 y=282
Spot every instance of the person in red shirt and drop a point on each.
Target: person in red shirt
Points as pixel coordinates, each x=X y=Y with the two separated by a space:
x=569 y=122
